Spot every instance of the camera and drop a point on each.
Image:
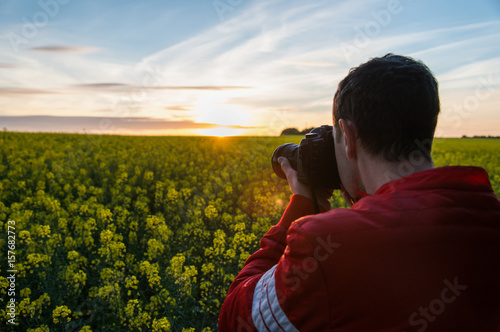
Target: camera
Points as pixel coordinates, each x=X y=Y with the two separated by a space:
x=314 y=159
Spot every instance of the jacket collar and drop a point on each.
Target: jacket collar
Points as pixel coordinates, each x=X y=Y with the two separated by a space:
x=452 y=177
x=459 y=177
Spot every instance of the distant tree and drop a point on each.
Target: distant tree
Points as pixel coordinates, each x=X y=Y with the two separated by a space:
x=482 y=136
x=290 y=131
x=295 y=131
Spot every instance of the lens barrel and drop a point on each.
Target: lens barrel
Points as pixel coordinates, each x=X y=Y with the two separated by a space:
x=289 y=151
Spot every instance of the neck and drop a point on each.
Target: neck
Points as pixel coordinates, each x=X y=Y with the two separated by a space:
x=375 y=172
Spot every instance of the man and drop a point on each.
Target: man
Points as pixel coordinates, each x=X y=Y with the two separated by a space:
x=417 y=251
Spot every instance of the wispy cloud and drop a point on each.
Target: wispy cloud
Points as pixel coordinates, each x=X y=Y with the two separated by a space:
x=66 y=49
x=309 y=63
x=17 y=92
x=101 y=124
x=486 y=72
x=208 y=88
x=123 y=86
x=109 y=87
x=255 y=49
x=103 y=86
x=179 y=108
x=7 y=65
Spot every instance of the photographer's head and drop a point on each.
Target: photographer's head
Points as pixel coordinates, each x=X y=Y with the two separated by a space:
x=384 y=112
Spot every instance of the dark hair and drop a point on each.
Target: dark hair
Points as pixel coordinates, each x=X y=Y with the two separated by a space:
x=393 y=102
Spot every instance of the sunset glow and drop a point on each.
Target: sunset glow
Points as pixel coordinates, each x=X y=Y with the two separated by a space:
x=188 y=68
x=221 y=131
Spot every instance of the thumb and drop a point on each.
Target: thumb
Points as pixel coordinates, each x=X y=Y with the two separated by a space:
x=283 y=162
x=286 y=167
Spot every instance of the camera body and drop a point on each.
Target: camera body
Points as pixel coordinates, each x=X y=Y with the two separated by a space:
x=314 y=159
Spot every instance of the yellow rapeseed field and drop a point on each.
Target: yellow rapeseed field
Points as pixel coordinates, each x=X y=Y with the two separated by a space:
x=122 y=233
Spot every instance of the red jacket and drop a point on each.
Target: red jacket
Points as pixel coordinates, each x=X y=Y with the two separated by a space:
x=421 y=254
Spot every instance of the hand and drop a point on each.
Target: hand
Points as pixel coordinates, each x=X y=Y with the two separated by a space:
x=299 y=188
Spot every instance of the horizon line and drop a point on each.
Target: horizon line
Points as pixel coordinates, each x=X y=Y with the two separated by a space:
x=6 y=130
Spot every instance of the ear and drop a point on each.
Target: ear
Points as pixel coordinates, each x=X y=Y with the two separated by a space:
x=350 y=137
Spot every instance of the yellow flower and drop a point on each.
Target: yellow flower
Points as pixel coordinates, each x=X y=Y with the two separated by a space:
x=161 y=325
x=131 y=282
x=210 y=212
x=153 y=221
x=134 y=317
x=4 y=284
x=25 y=306
x=37 y=306
x=130 y=308
x=148 y=176
x=61 y=312
x=106 y=236
x=72 y=255
x=208 y=269
x=25 y=292
x=176 y=264
x=219 y=241
x=172 y=194
x=155 y=248
x=24 y=237
x=230 y=254
x=43 y=231
x=35 y=260
x=152 y=271
x=62 y=223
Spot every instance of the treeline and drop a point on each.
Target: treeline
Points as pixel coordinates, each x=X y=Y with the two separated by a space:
x=489 y=136
x=295 y=131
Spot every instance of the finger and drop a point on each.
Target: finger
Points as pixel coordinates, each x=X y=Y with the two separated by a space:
x=283 y=160
x=286 y=167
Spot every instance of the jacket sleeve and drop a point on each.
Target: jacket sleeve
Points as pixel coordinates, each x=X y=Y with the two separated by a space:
x=248 y=305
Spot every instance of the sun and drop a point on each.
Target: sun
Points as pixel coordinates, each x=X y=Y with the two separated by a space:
x=223 y=120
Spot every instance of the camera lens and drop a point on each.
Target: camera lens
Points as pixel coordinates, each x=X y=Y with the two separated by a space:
x=314 y=159
x=289 y=151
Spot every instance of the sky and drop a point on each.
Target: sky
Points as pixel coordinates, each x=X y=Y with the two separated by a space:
x=233 y=67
